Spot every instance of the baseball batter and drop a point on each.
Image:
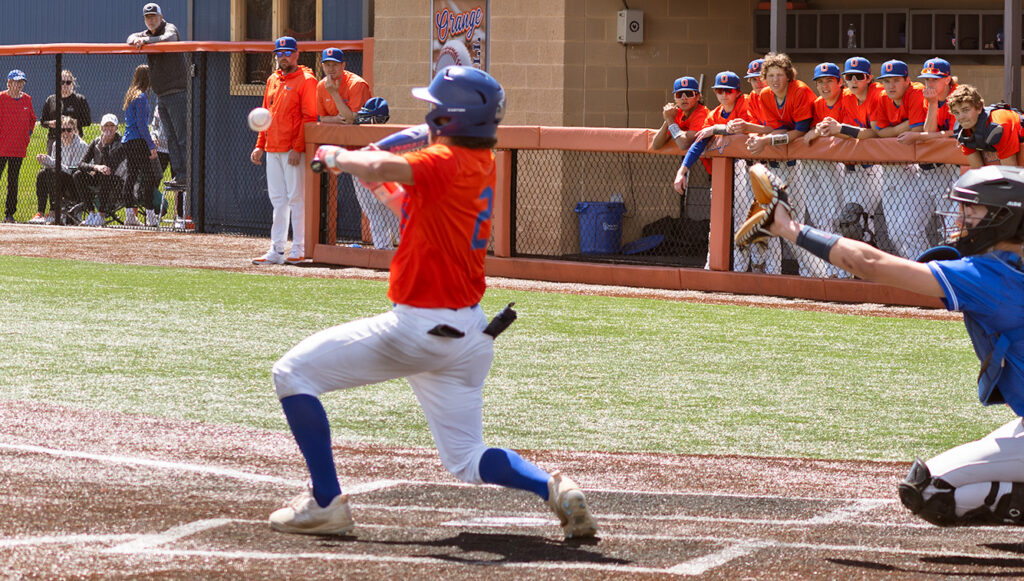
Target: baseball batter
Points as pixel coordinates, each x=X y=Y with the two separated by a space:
x=981 y=274
x=437 y=335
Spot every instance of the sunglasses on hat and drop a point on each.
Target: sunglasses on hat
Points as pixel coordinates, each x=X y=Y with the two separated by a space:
x=932 y=71
x=685 y=93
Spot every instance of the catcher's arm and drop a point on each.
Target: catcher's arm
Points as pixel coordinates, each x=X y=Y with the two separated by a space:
x=856 y=257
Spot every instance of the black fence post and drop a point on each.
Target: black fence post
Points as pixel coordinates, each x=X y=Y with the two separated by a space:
x=200 y=193
x=57 y=197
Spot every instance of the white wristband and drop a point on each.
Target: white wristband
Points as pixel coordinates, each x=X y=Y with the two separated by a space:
x=782 y=139
x=674 y=130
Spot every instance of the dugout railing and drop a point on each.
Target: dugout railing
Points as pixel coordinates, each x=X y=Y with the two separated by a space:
x=225 y=192
x=544 y=173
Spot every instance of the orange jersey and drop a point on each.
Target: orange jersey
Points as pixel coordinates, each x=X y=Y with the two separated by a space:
x=352 y=89
x=741 y=110
x=859 y=114
x=446 y=225
x=945 y=119
x=695 y=121
x=1013 y=133
x=797 y=107
x=291 y=100
x=822 y=110
x=912 y=108
x=754 y=114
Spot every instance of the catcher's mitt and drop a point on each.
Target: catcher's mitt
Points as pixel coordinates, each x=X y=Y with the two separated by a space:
x=767 y=195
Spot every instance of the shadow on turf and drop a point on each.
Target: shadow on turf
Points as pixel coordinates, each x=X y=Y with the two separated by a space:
x=513 y=549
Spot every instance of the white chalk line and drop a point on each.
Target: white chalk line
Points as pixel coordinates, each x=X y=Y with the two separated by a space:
x=64 y=540
x=704 y=563
x=144 y=542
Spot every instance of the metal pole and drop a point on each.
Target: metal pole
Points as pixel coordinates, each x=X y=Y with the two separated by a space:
x=200 y=191
x=1011 y=52
x=57 y=199
x=778 y=25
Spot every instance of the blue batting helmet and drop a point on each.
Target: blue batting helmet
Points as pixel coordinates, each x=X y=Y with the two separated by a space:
x=374 y=111
x=470 y=99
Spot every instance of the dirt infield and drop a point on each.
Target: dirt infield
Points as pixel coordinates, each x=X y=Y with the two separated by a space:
x=91 y=494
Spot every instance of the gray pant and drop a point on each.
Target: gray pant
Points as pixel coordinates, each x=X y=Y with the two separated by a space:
x=173 y=116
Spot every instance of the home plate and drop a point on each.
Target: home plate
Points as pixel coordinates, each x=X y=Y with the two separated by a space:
x=498 y=521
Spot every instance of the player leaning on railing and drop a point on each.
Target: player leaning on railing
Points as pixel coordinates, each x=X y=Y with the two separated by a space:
x=979 y=273
x=437 y=335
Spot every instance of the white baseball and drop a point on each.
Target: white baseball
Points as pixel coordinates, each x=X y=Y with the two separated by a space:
x=260 y=119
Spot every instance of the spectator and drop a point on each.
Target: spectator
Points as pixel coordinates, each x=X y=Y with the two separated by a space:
x=823 y=209
x=980 y=130
x=862 y=183
x=786 y=107
x=290 y=95
x=684 y=117
x=139 y=150
x=100 y=175
x=157 y=131
x=17 y=118
x=50 y=179
x=340 y=94
x=170 y=79
x=72 y=104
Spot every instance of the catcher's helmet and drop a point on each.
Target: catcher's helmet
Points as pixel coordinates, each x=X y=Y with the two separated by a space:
x=467 y=102
x=374 y=111
x=1001 y=190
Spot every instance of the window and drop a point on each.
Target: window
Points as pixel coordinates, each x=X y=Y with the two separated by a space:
x=266 y=20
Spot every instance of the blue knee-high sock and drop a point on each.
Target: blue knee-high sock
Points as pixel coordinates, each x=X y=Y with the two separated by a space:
x=308 y=422
x=506 y=468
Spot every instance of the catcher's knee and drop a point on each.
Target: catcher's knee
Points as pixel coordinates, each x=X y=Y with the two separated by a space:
x=934 y=500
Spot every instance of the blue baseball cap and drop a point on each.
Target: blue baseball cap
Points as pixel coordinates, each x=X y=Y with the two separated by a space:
x=857 y=64
x=894 y=68
x=286 y=43
x=935 y=68
x=16 y=75
x=685 y=84
x=826 y=70
x=333 y=54
x=727 y=80
x=754 y=68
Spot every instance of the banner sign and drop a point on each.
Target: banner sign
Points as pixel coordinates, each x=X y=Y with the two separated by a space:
x=459 y=34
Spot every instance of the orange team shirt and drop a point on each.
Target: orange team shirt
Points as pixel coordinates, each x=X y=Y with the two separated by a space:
x=445 y=228
x=859 y=114
x=291 y=100
x=945 y=118
x=1009 y=144
x=754 y=108
x=354 y=91
x=695 y=121
x=798 y=106
x=912 y=107
x=822 y=110
x=741 y=110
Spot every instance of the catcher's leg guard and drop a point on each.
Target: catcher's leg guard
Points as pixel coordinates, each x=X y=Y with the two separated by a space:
x=939 y=508
x=1005 y=509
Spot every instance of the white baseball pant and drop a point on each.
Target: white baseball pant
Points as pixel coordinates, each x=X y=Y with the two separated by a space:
x=286 y=186
x=908 y=207
x=823 y=181
x=446 y=374
x=384 y=224
x=937 y=183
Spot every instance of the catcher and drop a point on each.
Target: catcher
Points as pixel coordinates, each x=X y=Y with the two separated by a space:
x=979 y=272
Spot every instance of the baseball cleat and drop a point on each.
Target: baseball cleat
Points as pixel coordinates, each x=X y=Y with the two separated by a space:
x=304 y=516
x=270 y=257
x=567 y=501
x=294 y=258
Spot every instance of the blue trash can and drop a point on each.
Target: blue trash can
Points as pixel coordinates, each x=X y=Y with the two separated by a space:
x=600 y=227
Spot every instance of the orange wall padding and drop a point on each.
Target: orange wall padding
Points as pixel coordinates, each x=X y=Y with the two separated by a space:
x=188 y=46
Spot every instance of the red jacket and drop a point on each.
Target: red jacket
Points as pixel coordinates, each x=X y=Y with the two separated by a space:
x=17 y=119
x=291 y=100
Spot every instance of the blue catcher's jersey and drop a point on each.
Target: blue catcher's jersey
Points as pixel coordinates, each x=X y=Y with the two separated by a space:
x=989 y=290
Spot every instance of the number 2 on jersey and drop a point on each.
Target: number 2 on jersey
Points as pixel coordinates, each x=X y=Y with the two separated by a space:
x=484 y=215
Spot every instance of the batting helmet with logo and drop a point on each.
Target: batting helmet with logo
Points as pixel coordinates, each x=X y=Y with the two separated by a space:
x=1001 y=190
x=467 y=102
x=374 y=111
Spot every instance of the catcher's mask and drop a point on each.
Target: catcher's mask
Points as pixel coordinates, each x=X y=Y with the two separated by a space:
x=1001 y=190
x=375 y=111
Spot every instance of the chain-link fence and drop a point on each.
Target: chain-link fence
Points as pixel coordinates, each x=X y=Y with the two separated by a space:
x=202 y=178
x=891 y=206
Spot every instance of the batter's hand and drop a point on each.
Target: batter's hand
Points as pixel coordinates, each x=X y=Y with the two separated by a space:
x=669 y=112
x=681 y=178
x=256 y=156
x=294 y=157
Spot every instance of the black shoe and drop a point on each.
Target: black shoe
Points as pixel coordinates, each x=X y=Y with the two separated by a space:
x=9 y=219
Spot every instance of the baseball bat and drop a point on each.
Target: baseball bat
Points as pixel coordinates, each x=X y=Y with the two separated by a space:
x=404 y=141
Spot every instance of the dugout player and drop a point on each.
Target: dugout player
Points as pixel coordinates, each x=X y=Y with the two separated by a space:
x=684 y=117
x=981 y=482
x=786 y=110
x=434 y=336
x=862 y=182
x=985 y=131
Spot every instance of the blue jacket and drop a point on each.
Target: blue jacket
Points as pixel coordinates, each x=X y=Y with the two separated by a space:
x=136 y=119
